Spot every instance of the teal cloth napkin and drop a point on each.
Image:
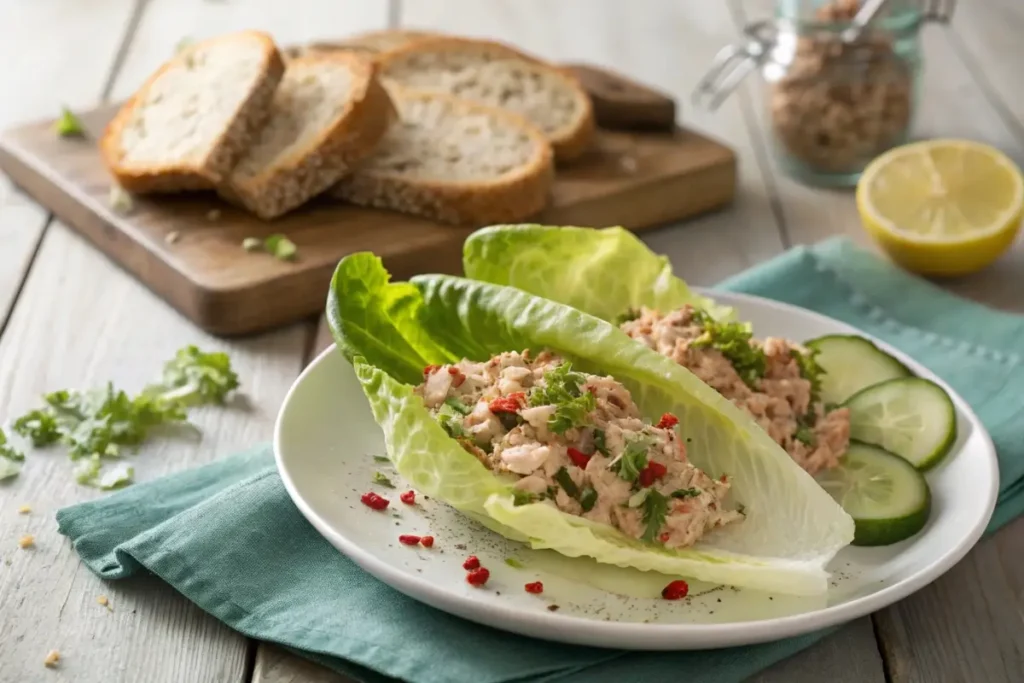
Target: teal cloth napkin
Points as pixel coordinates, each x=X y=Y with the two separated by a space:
x=228 y=537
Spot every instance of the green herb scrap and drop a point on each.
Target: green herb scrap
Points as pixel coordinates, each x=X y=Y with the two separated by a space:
x=599 y=442
x=457 y=405
x=514 y=563
x=95 y=424
x=588 y=499
x=7 y=451
x=732 y=340
x=381 y=458
x=278 y=246
x=655 y=511
x=634 y=459
x=630 y=314
x=809 y=369
x=451 y=421
x=520 y=497
x=69 y=125
x=565 y=480
x=380 y=478
x=563 y=389
x=686 y=493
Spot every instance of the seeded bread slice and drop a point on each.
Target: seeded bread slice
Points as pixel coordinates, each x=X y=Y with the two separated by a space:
x=371 y=43
x=185 y=128
x=455 y=161
x=328 y=113
x=499 y=76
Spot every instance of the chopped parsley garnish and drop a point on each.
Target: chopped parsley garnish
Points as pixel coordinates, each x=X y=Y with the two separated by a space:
x=809 y=369
x=514 y=563
x=118 y=476
x=805 y=429
x=450 y=421
x=9 y=468
x=522 y=497
x=7 y=451
x=40 y=426
x=686 y=493
x=732 y=339
x=588 y=499
x=633 y=459
x=565 y=481
x=829 y=407
x=630 y=314
x=457 y=405
x=69 y=125
x=380 y=478
x=655 y=510
x=599 y=442
x=280 y=247
x=381 y=458
x=193 y=377
x=563 y=389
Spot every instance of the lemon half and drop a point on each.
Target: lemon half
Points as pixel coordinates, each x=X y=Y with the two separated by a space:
x=942 y=207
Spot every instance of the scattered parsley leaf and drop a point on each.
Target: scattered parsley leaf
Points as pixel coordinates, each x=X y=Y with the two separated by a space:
x=655 y=510
x=118 y=476
x=809 y=369
x=457 y=405
x=686 y=493
x=588 y=499
x=87 y=470
x=379 y=478
x=599 y=442
x=572 y=413
x=520 y=497
x=805 y=429
x=69 y=125
x=119 y=199
x=381 y=458
x=194 y=377
x=280 y=247
x=252 y=244
x=7 y=451
x=40 y=426
x=630 y=314
x=450 y=421
x=562 y=389
x=514 y=563
x=9 y=468
x=732 y=339
x=638 y=498
x=633 y=459
x=564 y=480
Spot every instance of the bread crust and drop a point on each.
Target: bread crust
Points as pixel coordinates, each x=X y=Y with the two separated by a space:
x=369 y=43
x=511 y=197
x=351 y=137
x=232 y=142
x=568 y=143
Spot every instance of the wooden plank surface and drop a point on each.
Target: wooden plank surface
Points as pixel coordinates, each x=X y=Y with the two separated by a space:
x=78 y=322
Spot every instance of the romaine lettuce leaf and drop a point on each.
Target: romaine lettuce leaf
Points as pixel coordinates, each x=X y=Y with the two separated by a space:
x=792 y=527
x=605 y=272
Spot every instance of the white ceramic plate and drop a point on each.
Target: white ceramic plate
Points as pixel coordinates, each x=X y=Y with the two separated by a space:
x=325 y=439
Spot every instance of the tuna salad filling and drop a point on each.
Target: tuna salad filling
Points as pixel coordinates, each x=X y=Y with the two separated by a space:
x=578 y=441
x=775 y=380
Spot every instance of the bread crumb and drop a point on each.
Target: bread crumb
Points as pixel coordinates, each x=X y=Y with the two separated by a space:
x=27 y=541
x=24 y=510
x=213 y=215
x=628 y=164
x=120 y=200
x=52 y=657
x=102 y=600
x=172 y=237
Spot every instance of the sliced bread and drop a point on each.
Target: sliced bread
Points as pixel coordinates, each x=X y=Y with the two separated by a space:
x=185 y=128
x=499 y=76
x=328 y=113
x=455 y=161
x=372 y=42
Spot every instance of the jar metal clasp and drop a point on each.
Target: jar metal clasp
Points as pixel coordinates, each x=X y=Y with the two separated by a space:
x=733 y=63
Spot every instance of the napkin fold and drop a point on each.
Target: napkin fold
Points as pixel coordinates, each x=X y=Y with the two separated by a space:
x=228 y=537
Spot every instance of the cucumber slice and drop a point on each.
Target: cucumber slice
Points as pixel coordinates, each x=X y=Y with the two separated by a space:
x=910 y=417
x=852 y=363
x=888 y=499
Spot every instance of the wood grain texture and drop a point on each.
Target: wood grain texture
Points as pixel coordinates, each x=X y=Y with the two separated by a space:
x=75 y=79
x=274 y=665
x=851 y=655
x=633 y=179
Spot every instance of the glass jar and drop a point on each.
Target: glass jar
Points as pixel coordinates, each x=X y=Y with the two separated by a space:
x=834 y=100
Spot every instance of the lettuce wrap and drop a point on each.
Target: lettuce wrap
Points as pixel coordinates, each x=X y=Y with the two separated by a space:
x=391 y=331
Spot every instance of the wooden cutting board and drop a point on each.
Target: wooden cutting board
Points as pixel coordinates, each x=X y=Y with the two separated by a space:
x=634 y=179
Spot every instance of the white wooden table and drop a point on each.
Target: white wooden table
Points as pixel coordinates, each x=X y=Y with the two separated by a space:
x=69 y=318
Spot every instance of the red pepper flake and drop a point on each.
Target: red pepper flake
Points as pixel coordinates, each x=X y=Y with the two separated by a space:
x=536 y=587
x=579 y=458
x=675 y=590
x=724 y=479
x=427 y=541
x=409 y=497
x=664 y=537
x=471 y=563
x=507 y=404
x=478 y=577
x=667 y=421
x=654 y=470
x=457 y=374
x=372 y=500
x=409 y=539
x=430 y=370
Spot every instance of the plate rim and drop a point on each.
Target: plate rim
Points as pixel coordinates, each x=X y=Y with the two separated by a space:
x=657 y=637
